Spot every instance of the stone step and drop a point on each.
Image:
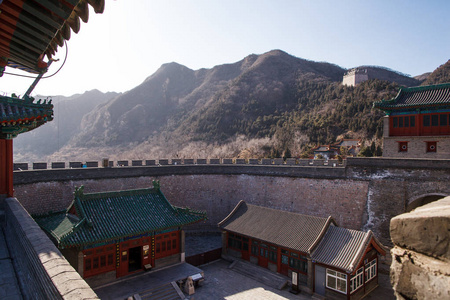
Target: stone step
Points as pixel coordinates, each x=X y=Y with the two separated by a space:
x=260 y=274
x=2 y=216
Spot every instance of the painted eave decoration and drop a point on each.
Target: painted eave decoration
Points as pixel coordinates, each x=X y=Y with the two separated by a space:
x=22 y=115
x=33 y=29
x=418 y=98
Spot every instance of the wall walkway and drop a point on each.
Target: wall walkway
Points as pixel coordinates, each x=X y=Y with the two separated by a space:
x=42 y=271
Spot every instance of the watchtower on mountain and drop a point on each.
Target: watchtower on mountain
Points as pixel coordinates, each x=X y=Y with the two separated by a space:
x=355 y=76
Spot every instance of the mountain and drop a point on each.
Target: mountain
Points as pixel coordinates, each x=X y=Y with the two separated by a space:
x=440 y=75
x=187 y=102
x=263 y=105
x=68 y=113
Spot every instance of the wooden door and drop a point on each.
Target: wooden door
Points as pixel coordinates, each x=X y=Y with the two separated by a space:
x=284 y=265
x=263 y=257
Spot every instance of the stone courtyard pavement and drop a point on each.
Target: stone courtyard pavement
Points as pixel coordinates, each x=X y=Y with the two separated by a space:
x=224 y=283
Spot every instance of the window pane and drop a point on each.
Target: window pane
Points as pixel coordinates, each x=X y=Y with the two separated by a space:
x=435 y=120
x=406 y=121
x=443 y=121
x=103 y=261
x=110 y=259
x=174 y=244
x=95 y=264
x=412 y=121
x=426 y=120
x=332 y=282
x=88 y=264
x=395 y=122
x=342 y=285
x=400 y=122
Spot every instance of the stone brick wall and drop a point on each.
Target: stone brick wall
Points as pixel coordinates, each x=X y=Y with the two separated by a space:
x=417 y=147
x=345 y=200
x=42 y=271
x=364 y=195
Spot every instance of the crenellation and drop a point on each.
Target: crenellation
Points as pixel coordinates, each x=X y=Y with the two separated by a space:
x=361 y=194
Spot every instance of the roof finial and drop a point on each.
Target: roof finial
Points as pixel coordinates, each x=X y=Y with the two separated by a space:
x=78 y=193
x=156 y=185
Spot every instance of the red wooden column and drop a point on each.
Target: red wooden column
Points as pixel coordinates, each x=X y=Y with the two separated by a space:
x=6 y=167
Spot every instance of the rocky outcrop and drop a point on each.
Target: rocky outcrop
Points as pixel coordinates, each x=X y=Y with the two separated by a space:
x=421 y=256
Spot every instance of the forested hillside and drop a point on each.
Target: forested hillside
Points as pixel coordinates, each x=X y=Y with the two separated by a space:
x=271 y=104
x=440 y=75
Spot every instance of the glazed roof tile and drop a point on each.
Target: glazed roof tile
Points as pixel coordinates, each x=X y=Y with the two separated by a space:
x=343 y=248
x=112 y=216
x=291 y=230
x=418 y=97
x=34 y=28
x=21 y=115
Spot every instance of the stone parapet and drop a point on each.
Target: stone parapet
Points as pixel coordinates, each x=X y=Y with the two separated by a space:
x=42 y=270
x=421 y=257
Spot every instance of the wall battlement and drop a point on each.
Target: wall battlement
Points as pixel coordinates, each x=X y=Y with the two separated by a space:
x=164 y=162
x=362 y=193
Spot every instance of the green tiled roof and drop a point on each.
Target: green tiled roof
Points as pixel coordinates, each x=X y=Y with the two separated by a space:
x=22 y=115
x=421 y=97
x=113 y=216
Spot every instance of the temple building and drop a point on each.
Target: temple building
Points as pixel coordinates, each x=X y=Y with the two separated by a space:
x=351 y=147
x=17 y=116
x=417 y=122
x=114 y=234
x=331 y=261
x=31 y=32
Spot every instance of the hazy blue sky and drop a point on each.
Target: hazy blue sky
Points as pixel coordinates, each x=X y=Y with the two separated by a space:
x=117 y=50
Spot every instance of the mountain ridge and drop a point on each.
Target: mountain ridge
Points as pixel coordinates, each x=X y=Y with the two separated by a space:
x=251 y=101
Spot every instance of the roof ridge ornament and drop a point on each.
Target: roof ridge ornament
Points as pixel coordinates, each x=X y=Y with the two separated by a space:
x=79 y=192
x=156 y=185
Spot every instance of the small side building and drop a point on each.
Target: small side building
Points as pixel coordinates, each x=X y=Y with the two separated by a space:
x=325 y=259
x=417 y=123
x=114 y=234
x=346 y=263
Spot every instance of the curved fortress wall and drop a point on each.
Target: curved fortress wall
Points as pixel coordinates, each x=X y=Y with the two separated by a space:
x=365 y=194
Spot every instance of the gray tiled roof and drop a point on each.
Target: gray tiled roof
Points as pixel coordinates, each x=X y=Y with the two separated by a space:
x=343 y=248
x=415 y=97
x=291 y=230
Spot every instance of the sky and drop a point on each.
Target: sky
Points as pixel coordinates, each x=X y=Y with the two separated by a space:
x=117 y=50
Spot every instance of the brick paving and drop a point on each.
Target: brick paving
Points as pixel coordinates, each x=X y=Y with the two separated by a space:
x=224 y=283
x=9 y=287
